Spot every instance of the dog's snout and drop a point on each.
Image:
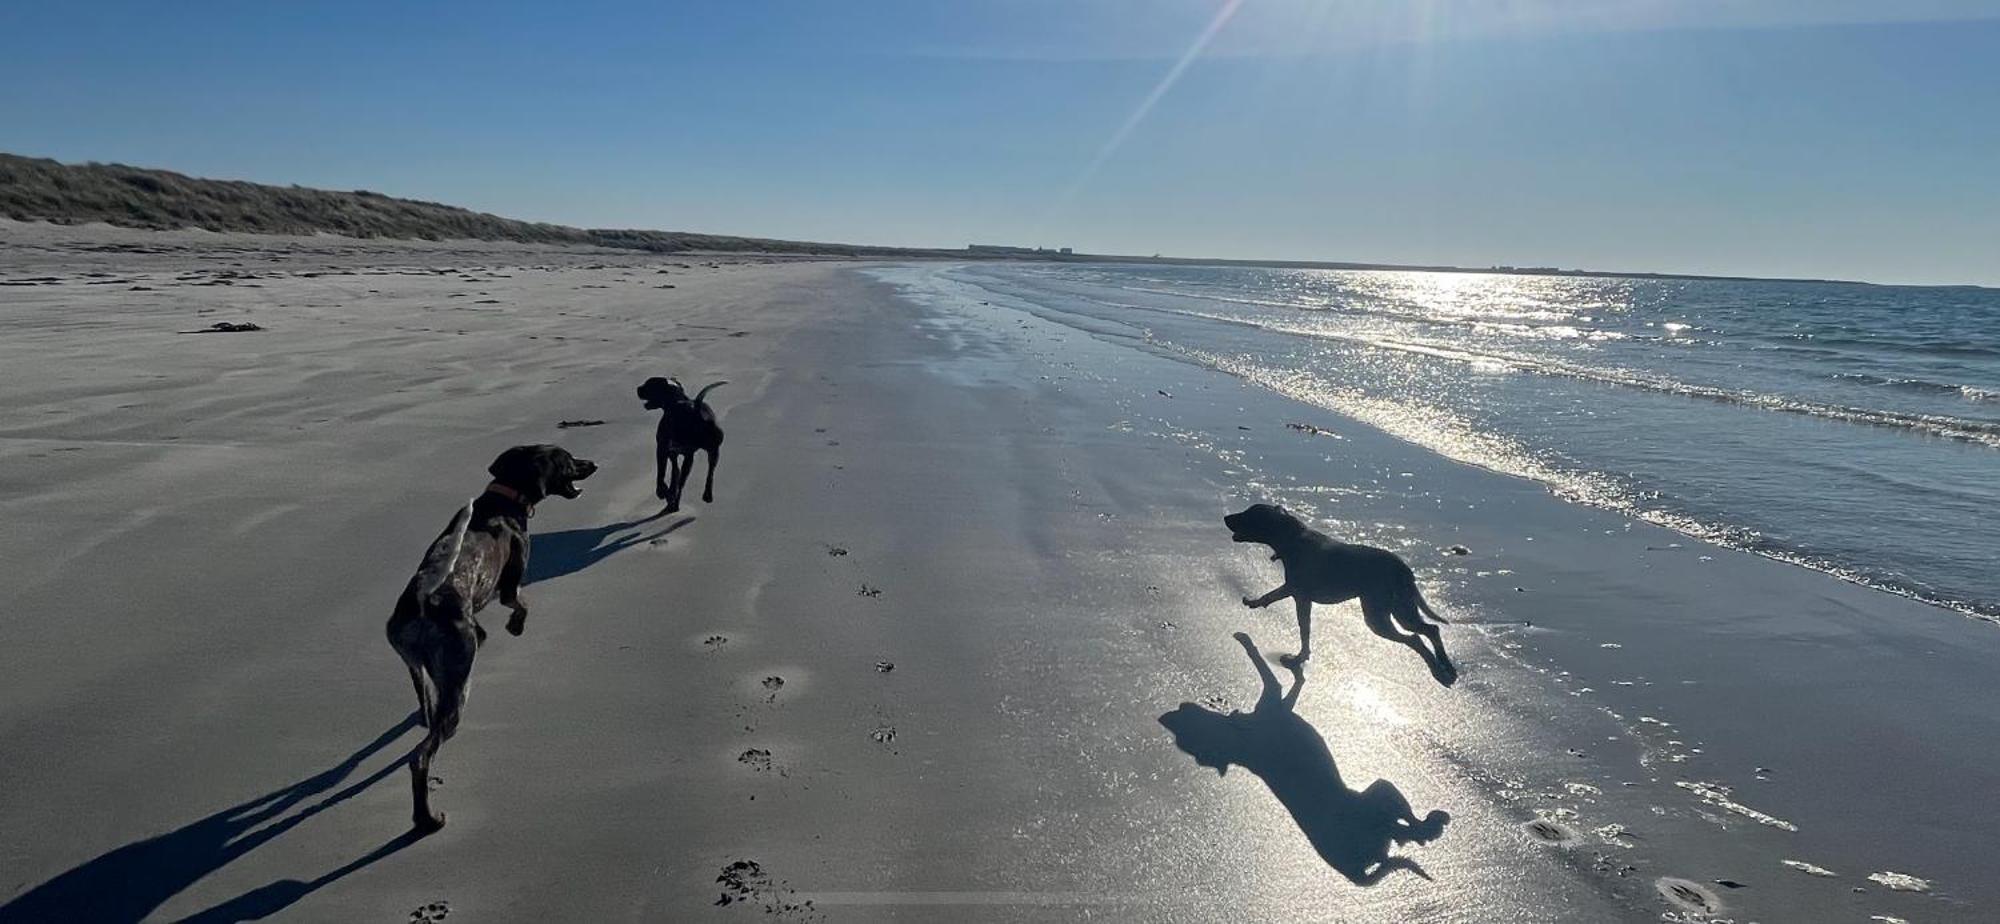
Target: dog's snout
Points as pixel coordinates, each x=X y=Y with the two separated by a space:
x=585 y=468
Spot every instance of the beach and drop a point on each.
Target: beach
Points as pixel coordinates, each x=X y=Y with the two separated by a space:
x=912 y=662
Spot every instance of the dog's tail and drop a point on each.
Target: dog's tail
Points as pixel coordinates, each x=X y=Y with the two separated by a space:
x=1425 y=605
x=703 y=393
x=443 y=556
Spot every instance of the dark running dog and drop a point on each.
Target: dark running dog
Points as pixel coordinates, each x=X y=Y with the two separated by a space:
x=1321 y=570
x=481 y=555
x=686 y=425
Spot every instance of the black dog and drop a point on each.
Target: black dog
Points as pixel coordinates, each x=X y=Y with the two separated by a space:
x=1321 y=570
x=686 y=424
x=481 y=555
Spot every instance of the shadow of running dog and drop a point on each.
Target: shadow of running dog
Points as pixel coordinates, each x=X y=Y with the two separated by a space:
x=128 y=884
x=1352 y=831
x=554 y=555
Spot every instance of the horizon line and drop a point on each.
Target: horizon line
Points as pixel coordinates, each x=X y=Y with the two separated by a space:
x=1054 y=255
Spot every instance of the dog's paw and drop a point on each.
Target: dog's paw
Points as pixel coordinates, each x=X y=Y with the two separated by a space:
x=661 y=492
x=429 y=824
x=1294 y=661
x=518 y=623
x=1243 y=637
x=1251 y=602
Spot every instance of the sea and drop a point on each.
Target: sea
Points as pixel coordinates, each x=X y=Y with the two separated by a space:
x=1846 y=427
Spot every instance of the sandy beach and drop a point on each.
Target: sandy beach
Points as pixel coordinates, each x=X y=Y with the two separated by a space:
x=911 y=664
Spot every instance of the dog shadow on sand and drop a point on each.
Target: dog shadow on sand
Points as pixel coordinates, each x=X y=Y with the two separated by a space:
x=565 y=552
x=1353 y=831
x=131 y=882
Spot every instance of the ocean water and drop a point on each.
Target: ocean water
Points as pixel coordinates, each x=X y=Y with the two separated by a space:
x=1845 y=427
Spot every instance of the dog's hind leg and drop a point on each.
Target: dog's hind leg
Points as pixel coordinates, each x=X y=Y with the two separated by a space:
x=425 y=706
x=1407 y=616
x=400 y=632
x=450 y=666
x=1380 y=616
x=708 y=485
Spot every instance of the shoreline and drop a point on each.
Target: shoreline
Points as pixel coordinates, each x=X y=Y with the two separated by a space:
x=609 y=240
x=1663 y=634
x=221 y=522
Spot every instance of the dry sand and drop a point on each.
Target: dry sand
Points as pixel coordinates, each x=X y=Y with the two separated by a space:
x=910 y=663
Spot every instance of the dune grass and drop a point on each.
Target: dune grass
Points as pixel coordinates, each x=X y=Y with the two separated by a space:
x=39 y=189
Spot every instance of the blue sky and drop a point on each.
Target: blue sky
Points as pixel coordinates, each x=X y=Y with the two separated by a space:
x=1819 y=137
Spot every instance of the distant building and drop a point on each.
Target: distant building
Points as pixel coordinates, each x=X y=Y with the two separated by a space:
x=1010 y=250
x=1064 y=251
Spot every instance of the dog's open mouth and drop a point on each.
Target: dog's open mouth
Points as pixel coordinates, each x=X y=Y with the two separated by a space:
x=581 y=469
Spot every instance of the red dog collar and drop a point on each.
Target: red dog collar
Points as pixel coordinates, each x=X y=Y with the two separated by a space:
x=510 y=494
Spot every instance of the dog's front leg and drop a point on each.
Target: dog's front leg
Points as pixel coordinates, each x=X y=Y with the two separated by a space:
x=659 y=473
x=1305 y=608
x=511 y=574
x=683 y=470
x=672 y=492
x=1258 y=603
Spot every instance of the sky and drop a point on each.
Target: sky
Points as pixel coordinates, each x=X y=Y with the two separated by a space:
x=1822 y=138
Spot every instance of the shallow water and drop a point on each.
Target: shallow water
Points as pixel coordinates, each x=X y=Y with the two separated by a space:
x=1846 y=427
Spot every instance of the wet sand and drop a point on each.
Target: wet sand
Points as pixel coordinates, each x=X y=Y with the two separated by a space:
x=910 y=664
